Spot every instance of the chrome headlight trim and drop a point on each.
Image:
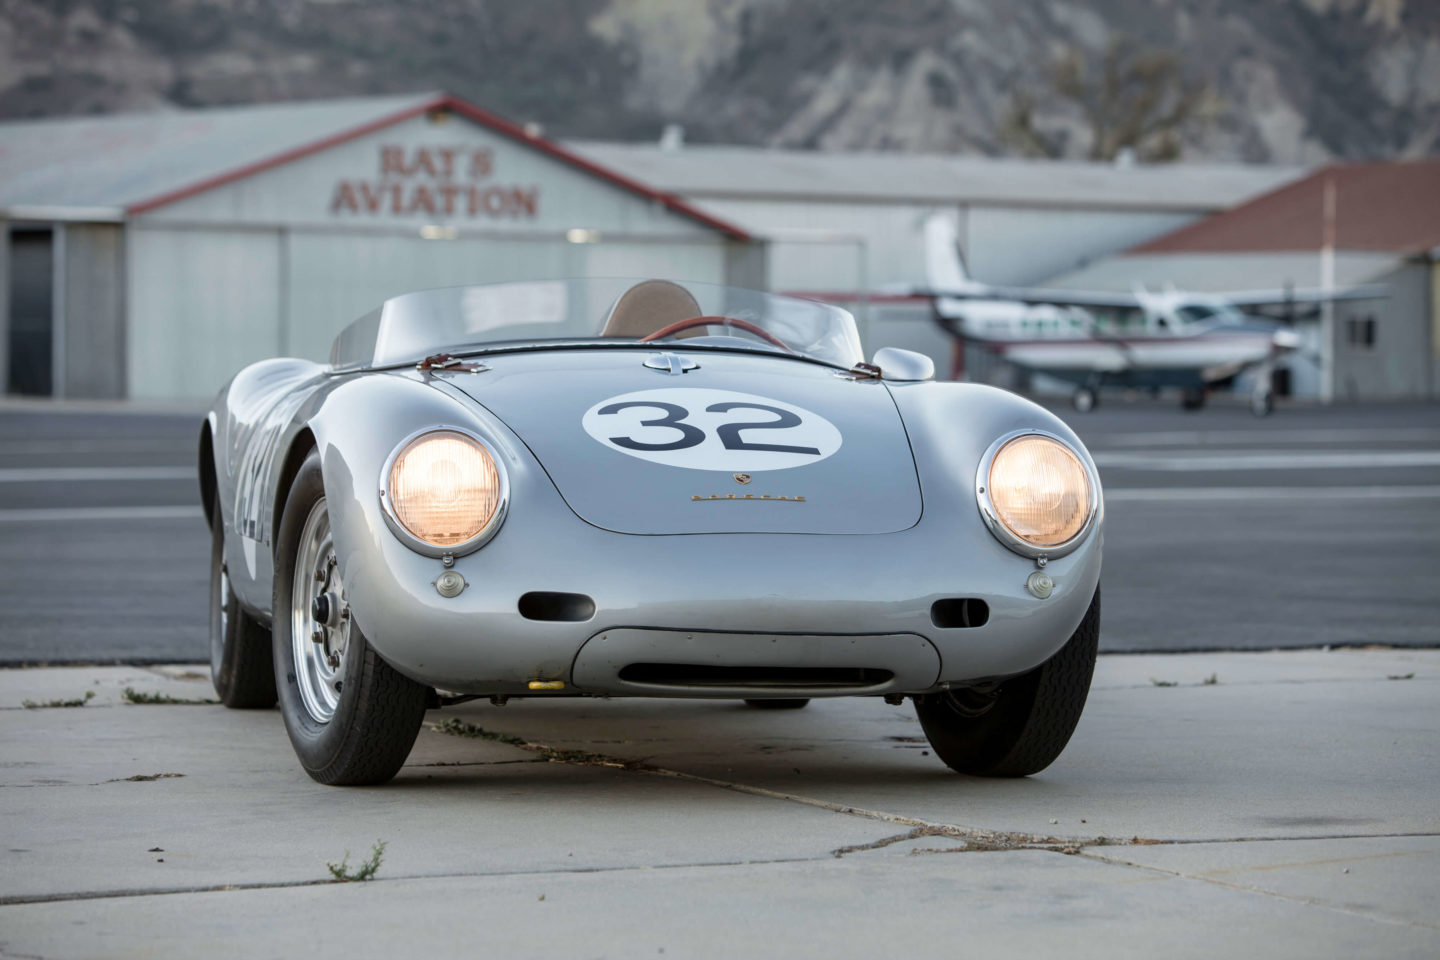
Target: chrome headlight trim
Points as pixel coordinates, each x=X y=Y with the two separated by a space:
x=392 y=521
x=1002 y=532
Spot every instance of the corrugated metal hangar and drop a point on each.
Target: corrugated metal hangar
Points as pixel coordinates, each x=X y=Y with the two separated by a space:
x=153 y=255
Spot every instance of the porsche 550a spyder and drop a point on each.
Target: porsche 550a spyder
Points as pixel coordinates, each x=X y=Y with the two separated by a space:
x=642 y=488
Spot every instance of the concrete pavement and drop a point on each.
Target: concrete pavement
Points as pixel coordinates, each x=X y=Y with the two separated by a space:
x=1290 y=807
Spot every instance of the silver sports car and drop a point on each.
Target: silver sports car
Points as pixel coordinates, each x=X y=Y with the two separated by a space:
x=642 y=488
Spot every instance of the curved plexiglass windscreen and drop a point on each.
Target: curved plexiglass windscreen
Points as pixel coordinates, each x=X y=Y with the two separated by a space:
x=602 y=312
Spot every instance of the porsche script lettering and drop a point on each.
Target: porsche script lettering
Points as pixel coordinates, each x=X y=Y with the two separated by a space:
x=747 y=496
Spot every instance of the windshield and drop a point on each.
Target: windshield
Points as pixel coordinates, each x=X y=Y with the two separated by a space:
x=412 y=326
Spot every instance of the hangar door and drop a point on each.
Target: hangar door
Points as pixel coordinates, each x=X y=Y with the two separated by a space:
x=202 y=304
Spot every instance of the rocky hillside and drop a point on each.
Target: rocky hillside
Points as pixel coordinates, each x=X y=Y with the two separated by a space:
x=1284 y=80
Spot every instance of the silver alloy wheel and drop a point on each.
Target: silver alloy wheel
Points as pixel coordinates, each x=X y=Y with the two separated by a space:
x=318 y=647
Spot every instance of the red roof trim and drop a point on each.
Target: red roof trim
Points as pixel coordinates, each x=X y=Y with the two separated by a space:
x=471 y=112
x=673 y=203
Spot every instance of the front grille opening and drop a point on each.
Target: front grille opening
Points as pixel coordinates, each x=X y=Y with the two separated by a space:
x=707 y=675
x=568 y=607
x=954 y=612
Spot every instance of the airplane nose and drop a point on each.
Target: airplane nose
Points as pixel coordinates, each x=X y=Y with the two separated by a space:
x=1286 y=340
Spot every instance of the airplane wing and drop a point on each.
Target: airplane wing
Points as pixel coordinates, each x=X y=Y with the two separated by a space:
x=1105 y=298
x=1279 y=298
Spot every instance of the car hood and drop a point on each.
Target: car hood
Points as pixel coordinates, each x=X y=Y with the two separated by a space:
x=738 y=443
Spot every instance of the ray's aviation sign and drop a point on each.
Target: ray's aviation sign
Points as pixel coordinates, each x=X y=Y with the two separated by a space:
x=437 y=181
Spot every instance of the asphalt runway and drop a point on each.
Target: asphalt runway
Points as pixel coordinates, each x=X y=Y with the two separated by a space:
x=1313 y=527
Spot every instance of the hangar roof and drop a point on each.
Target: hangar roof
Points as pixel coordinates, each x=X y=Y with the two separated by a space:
x=132 y=163
x=703 y=172
x=1391 y=206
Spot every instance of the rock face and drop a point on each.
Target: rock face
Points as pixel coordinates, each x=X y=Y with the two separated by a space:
x=1289 y=80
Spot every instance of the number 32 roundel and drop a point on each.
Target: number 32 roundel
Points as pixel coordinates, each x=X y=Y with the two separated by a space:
x=712 y=430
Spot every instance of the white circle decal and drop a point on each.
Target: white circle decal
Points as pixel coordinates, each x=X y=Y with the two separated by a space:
x=711 y=430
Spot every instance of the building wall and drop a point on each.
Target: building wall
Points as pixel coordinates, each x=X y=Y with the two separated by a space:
x=1396 y=365
x=277 y=263
x=202 y=304
x=1019 y=246
x=841 y=246
x=93 y=327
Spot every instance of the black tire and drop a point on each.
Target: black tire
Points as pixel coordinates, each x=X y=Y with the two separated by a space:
x=795 y=704
x=240 y=662
x=379 y=710
x=1028 y=722
x=1193 y=399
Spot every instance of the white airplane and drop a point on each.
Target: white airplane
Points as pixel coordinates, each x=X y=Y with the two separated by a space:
x=1096 y=339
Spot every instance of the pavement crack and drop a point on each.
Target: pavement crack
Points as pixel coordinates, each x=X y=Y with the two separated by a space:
x=976 y=838
x=18 y=900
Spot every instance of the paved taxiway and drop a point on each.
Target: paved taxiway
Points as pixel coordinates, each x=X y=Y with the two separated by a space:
x=1312 y=527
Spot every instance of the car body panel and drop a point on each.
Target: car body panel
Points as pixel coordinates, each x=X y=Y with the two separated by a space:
x=866 y=485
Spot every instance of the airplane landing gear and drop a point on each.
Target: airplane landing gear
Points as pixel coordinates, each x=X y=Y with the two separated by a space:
x=1262 y=403
x=1084 y=399
x=1193 y=398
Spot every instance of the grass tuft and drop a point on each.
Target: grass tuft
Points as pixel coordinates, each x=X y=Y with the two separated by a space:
x=1164 y=683
x=343 y=874
x=136 y=696
x=77 y=702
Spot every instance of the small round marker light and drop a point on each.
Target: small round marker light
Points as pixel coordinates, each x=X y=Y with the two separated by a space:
x=449 y=584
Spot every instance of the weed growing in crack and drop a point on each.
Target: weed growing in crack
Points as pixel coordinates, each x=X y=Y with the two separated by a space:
x=136 y=696
x=1164 y=683
x=77 y=702
x=343 y=874
x=456 y=727
x=1211 y=680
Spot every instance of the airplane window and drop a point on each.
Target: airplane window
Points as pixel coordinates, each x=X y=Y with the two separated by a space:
x=1194 y=312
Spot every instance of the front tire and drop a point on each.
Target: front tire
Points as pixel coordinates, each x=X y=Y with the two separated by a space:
x=1021 y=727
x=351 y=717
x=240 y=666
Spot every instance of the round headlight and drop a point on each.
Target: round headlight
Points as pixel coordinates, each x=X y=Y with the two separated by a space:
x=444 y=489
x=1038 y=492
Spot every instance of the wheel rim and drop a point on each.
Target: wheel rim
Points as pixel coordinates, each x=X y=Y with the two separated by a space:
x=319 y=647
x=219 y=612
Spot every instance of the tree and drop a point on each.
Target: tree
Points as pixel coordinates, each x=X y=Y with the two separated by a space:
x=1134 y=98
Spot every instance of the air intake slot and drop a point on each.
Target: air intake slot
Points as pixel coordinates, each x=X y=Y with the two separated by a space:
x=707 y=675
x=953 y=612
x=568 y=607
